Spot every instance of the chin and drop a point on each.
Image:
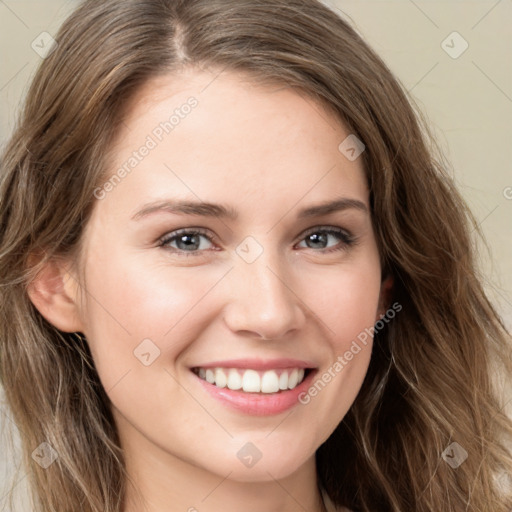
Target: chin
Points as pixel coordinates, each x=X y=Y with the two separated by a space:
x=265 y=464
x=263 y=472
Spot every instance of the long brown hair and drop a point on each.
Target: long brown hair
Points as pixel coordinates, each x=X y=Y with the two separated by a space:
x=429 y=383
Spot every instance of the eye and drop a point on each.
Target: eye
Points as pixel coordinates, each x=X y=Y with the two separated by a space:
x=188 y=241
x=318 y=238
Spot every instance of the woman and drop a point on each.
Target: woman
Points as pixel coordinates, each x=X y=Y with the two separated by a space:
x=173 y=338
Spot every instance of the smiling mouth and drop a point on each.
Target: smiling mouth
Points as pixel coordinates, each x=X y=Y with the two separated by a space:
x=253 y=381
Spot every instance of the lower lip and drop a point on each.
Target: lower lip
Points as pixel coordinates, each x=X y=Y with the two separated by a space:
x=258 y=404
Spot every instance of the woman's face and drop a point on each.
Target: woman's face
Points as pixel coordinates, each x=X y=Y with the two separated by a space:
x=214 y=256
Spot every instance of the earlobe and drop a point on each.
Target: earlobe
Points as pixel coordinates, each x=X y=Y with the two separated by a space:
x=54 y=293
x=386 y=292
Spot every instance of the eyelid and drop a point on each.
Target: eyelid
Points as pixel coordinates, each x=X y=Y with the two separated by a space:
x=327 y=229
x=171 y=235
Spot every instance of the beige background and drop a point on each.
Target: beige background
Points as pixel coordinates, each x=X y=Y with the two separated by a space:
x=467 y=99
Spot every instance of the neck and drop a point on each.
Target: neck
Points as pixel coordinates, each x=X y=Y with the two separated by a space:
x=163 y=483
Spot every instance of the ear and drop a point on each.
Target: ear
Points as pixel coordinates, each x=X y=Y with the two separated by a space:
x=54 y=292
x=386 y=292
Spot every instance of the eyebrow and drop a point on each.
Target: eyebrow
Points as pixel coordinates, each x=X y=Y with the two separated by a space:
x=220 y=211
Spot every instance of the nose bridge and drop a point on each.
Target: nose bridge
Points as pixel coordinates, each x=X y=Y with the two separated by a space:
x=262 y=299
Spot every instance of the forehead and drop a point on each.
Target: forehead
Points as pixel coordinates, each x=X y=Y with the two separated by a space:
x=221 y=137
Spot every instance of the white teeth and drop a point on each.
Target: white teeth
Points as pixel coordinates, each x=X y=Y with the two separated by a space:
x=252 y=381
x=220 y=378
x=292 y=379
x=270 y=382
x=210 y=376
x=283 y=381
x=234 y=380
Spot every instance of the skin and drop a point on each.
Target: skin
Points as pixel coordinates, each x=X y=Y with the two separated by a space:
x=267 y=152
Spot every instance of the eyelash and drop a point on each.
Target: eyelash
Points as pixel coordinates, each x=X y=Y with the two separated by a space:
x=347 y=239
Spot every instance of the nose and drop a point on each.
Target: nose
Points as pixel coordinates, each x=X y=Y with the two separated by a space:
x=263 y=302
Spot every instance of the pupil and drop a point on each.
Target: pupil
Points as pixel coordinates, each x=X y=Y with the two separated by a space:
x=184 y=238
x=318 y=238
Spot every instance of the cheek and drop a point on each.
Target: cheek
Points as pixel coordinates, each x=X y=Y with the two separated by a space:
x=346 y=300
x=135 y=308
x=347 y=303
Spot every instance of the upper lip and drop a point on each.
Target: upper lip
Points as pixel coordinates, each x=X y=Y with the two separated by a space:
x=258 y=364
